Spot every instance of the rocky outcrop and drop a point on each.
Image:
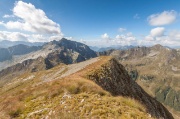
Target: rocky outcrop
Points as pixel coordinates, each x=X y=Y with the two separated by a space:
x=113 y=77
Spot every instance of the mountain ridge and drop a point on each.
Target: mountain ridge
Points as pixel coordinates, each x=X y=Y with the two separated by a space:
x=156 y=69
x=8 y=43
x=83 y=84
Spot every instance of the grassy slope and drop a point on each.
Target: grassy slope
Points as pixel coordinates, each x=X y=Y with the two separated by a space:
x=68 y=97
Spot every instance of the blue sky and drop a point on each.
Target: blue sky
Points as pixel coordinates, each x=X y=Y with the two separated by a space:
x=94 y=22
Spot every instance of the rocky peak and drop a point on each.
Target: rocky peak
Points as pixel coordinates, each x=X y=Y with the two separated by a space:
x=70 y=52
x=157 y=47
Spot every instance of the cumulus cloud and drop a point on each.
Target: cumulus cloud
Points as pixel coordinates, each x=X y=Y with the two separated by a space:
x=175 y=35
x=126 y=39
x=31 y=19
x=157 y=36
x=122 y=29
x=156 y=32
x=149 y=38
x=33 y=23
x=164 y=18
x=69 y=38
x=8 y=16
x=105 y=36
x=17 y=36
x=13 y=36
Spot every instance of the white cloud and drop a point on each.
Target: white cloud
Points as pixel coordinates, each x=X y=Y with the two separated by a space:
x=17 y=36
x=122 y=29
x=8 y=16
x=13 y=36
x=159 y=31
x=127 y=39
x=83 y=41
x=129 y=34
x=1 y=22
x=170 y=39
x=105 y=36
x=149 y=38
x=35 y=25
x=69 y=38
x=175 y=35
x=164 y=18
x=32 y=19
x=55 y=37
x=156 y=36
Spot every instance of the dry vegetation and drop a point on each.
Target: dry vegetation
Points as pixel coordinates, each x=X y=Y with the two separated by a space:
x=32 y=96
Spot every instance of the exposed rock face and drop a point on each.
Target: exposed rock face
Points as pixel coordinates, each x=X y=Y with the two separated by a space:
x=114 y=78
x=69 y=52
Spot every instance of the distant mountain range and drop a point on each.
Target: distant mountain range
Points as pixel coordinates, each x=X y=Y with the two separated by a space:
x=116 y=47
x=8 y=53
x=7 y=43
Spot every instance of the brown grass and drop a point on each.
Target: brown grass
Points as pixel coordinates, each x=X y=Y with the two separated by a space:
x=35 y=98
